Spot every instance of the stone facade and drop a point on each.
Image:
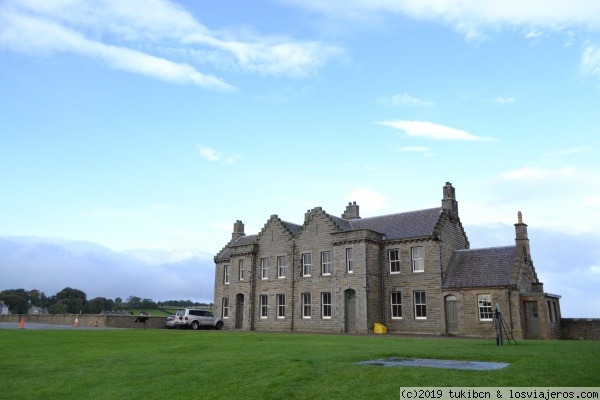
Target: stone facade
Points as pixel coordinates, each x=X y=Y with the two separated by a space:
x=413 y=272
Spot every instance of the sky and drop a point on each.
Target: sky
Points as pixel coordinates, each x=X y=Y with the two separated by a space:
x=157 y=126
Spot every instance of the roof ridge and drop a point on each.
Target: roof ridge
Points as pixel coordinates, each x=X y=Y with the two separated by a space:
x=398 y=213
x=487 y=248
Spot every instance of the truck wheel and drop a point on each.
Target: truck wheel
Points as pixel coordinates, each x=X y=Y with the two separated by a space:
x=195 y=325
x=219 y=326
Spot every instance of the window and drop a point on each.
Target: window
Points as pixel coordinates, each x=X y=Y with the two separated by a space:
x=226 y=274
x=241 y=269
x=306 y=261
x=264 y=305
x=396 y=303
x=306 y=305
x=349 y=261
x=281 y=306
x=281 y=267
x=264 y=268
x=394 y=260
x=485 y=307
x=225 y=308
x=326 y=305
x=326 y=263
x=552 y=311
x=420 y=305
x=418 y=261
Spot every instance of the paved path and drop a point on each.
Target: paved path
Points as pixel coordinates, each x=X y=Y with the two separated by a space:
x=34 y=326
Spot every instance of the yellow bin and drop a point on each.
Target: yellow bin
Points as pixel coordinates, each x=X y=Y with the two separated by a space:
x=379 y=328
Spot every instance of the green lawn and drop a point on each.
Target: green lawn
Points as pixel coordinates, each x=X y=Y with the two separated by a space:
x=160 y=364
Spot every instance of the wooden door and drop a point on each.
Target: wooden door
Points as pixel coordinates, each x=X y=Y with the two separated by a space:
x=350 y=310
x=532 y=322
x=239 y=311
x=451 y=316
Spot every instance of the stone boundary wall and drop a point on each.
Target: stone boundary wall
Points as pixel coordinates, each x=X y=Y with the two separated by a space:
x=580 y=328
x=103 y=321
x=571 y=328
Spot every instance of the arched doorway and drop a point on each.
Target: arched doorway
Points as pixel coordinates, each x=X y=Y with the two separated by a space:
x=239 y=311
x=350 y=310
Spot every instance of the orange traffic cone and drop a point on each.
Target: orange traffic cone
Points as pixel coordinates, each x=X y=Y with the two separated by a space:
x=22 y=323
x=76 y=322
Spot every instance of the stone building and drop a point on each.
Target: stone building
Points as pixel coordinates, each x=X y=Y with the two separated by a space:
x=413 y=272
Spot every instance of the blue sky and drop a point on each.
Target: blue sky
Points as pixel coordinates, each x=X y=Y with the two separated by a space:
x=157 y=126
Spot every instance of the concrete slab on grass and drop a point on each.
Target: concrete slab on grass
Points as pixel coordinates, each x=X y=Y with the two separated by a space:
x=432 y=363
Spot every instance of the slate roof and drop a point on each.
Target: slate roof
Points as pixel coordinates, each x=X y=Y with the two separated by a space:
x=344 y=224
x=481 y=267
x=294 y=228
x=244 y=240
x=403 y=225
x=392 y=226
x=241 y=241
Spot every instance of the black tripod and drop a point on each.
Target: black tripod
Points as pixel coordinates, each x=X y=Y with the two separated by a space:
x=502 y=330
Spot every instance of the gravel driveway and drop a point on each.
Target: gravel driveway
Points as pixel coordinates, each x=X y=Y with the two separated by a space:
x=34 y=326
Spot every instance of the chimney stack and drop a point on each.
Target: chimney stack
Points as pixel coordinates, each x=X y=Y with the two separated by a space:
x=238 y=230
x=449 y=202
x=522 y=240
x=352 y=211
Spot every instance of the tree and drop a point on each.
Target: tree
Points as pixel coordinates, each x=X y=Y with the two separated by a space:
x=74 y=299
x=17 y=300
x=97 y=305
x=147 y=304
x=118 y=303
x=58 y=308
x=134 y=302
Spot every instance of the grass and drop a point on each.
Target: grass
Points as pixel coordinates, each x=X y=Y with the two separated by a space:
x=153 y=364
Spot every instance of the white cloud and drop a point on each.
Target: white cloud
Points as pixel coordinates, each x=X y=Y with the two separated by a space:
x=564 y=199
x=404 y=99
x=429 y=130
x=209 y=153
x=534 y=34
x=590 y=60
x=267 y=56
x=472 y=17
x=565 y=152
x=504 y=100
x=367 y=199
x=213 y=155
x=105 y=30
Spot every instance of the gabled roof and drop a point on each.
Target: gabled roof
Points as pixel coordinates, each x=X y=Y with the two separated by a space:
x=293 y=228
x=244 y=240
x=241 y=241
x=411 y=224
x=402 y=225
x=481 y=267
